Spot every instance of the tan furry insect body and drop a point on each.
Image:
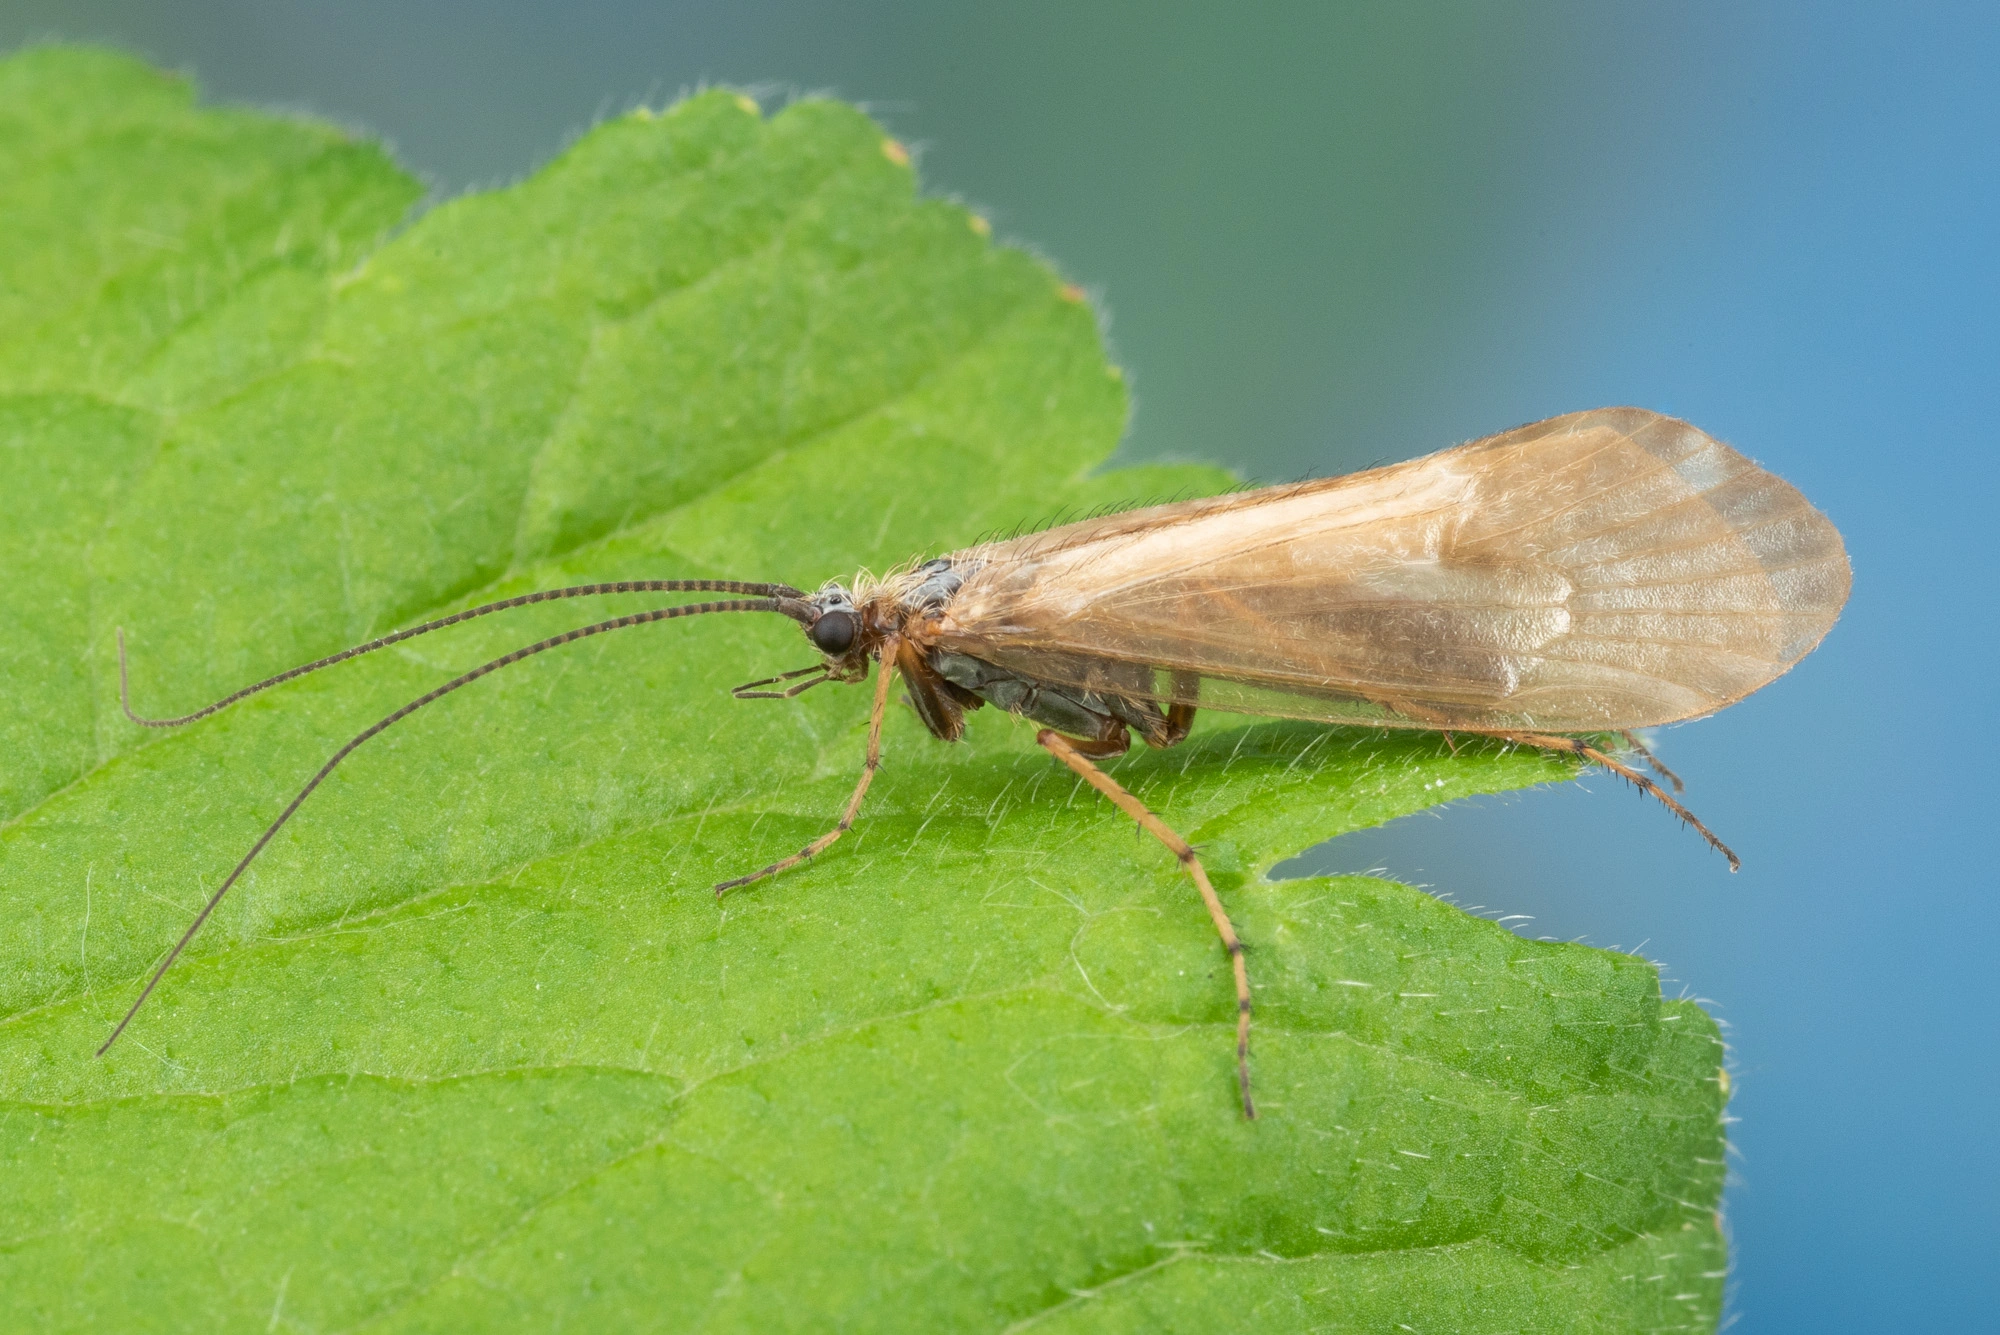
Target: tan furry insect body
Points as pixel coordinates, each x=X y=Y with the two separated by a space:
x=1603 y=571
x=1590 y=574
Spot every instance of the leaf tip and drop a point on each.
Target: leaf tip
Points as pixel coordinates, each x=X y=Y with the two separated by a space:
x=895 y=152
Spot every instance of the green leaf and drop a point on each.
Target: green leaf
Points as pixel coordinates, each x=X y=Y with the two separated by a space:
x=473 y=1046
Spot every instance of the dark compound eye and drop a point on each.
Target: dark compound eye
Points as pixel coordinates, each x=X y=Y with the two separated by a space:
x=833 y=633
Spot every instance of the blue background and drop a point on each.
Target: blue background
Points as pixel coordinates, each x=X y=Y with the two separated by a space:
x=1326 y=240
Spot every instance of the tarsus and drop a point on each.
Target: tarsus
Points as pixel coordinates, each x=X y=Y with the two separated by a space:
x=748 y=690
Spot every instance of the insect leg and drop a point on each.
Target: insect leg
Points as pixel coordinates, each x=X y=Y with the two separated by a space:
x=1180 y=714
x=792 y=692
x=1576 y=746
x=1654 y=761
x=873 y=763
x=748 y=690
x=1066 y=751
x=1115 y=741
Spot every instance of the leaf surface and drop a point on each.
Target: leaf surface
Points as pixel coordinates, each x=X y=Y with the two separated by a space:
x=473 y=1046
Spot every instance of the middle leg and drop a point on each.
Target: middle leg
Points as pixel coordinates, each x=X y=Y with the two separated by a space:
x=1063 y=749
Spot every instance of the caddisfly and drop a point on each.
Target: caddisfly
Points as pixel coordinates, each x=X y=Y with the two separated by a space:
x=1583 y=576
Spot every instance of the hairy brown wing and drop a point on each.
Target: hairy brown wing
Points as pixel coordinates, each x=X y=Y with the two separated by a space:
x=1609 y=569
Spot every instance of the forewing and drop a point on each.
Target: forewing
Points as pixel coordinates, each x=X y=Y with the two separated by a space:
x=1609 y=569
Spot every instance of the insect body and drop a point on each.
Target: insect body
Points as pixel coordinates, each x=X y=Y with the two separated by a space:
x=1587 y=575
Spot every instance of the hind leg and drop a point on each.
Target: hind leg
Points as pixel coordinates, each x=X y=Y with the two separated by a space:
x=1576 y=746
x=1645 y=753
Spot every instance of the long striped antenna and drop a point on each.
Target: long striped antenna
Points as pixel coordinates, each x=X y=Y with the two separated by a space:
x=786 y=603
x=784 y=593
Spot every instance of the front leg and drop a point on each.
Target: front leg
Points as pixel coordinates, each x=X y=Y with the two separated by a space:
x=868 y=768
